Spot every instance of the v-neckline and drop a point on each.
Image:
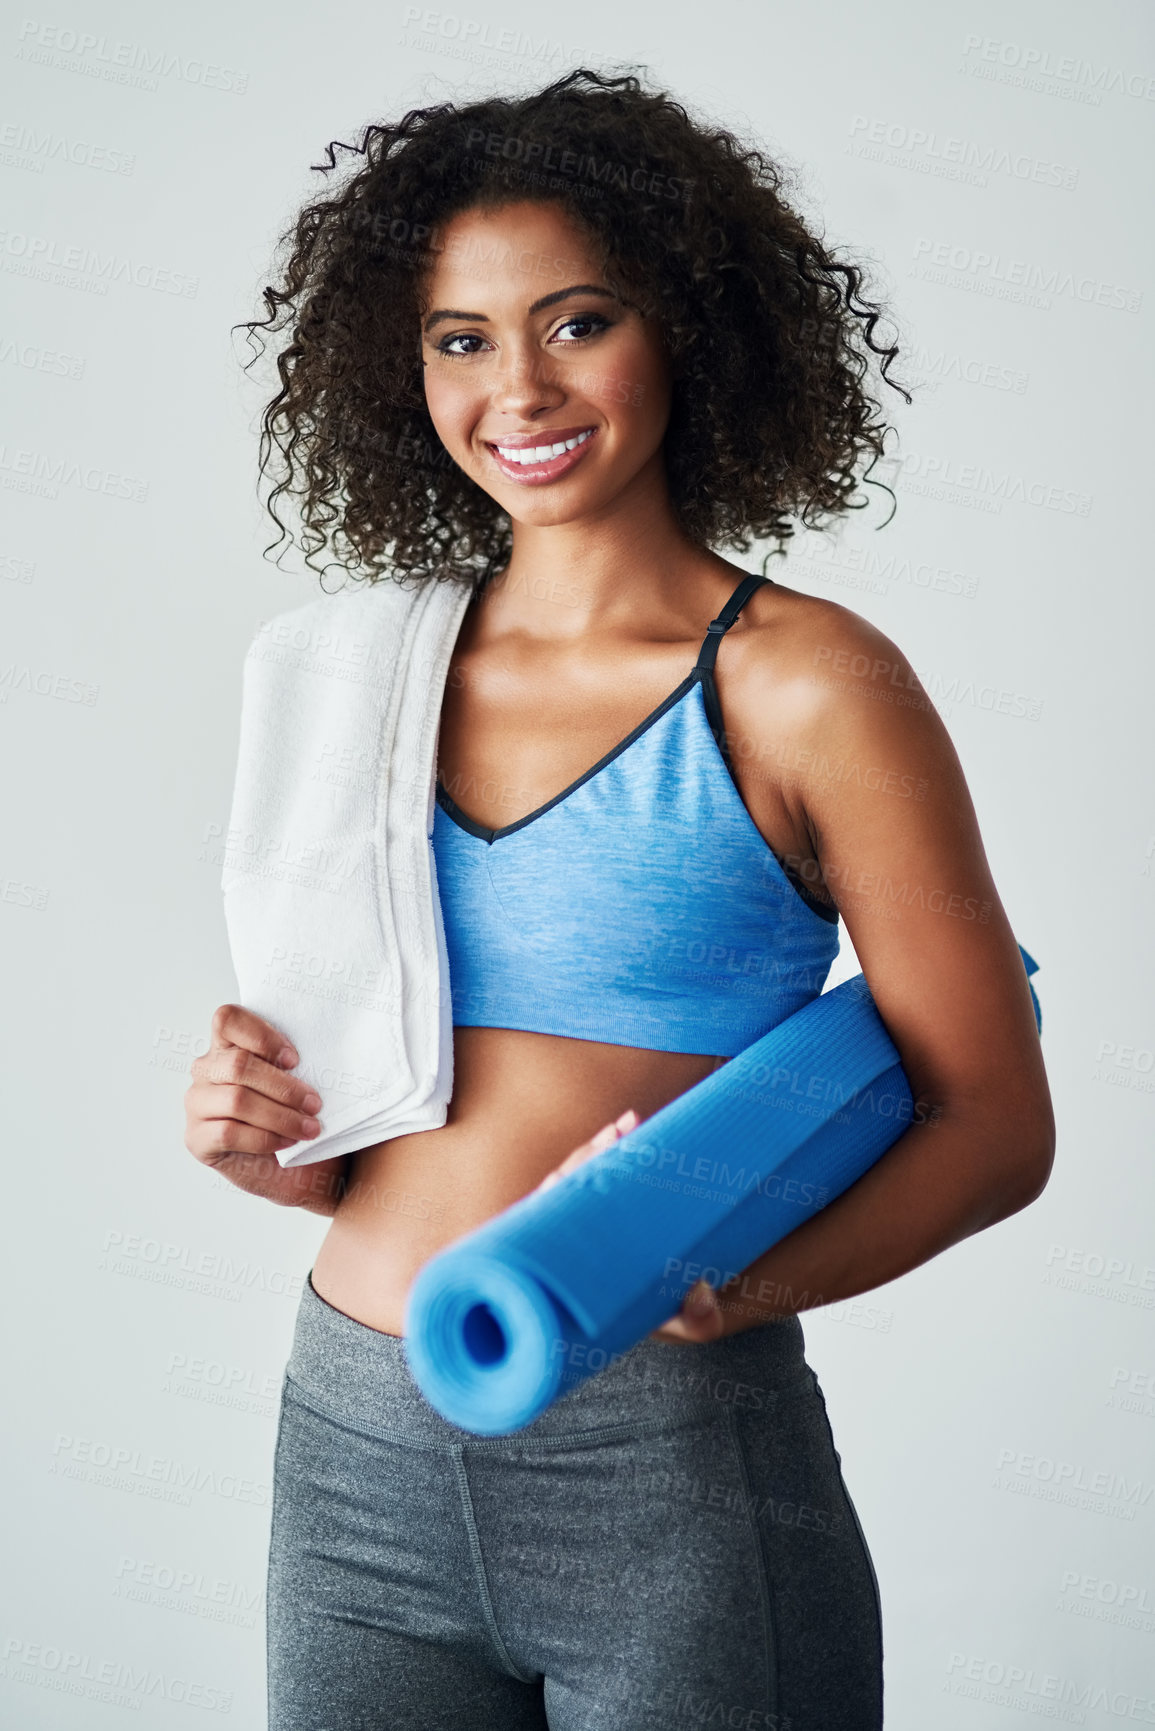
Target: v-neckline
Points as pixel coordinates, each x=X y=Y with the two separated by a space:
x=463 y=821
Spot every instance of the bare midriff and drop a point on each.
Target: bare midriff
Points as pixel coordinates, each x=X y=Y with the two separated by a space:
x=521 y=1102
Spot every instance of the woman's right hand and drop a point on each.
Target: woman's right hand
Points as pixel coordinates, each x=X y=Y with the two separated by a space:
x=242 y=1106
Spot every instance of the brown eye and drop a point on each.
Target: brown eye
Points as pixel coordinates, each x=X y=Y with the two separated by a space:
x=443 y=347
x=594 y=320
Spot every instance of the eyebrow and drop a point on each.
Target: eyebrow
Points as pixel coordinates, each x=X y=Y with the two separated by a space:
x=581 y=288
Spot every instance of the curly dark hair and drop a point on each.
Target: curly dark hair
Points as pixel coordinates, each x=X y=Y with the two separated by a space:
x=766 y=331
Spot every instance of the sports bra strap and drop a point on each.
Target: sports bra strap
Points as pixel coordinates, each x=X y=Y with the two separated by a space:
x=717 y=627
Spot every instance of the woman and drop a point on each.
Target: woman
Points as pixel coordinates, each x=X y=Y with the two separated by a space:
x=571 y=343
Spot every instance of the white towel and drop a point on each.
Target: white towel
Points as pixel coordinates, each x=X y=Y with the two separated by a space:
x=329 y=879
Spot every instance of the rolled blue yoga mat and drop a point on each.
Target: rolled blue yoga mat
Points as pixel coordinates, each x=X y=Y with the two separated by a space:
x=501 y=1323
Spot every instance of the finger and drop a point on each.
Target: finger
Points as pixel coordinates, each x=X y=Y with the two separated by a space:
x=698 y=1329
x=677 y=1327
x=671 y=1330
x=699 y=1317
x=233 y=1025
x=234 y=1102
x=600 y=1140
x=701 y=1312
x=597 y=1144
x=234 y=1066
x=222 y=1141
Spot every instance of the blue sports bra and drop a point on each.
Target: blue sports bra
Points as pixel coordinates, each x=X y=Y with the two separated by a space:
x=640 y=906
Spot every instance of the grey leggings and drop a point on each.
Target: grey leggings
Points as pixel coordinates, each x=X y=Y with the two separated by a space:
x=670 y=1545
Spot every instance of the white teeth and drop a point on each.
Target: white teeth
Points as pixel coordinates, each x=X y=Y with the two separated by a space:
x=527 y=454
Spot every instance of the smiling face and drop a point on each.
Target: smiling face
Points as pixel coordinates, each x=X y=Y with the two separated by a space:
x=550 y=392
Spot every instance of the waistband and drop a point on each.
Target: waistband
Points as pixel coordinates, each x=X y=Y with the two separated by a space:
x=361 y=1377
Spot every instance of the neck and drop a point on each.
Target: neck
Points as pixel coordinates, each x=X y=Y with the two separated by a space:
x=599 y=573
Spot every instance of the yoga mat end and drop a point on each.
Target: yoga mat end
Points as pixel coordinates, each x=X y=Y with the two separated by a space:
x=485 y=1345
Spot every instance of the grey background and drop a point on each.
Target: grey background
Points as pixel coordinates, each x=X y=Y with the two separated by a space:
x=995 y=1410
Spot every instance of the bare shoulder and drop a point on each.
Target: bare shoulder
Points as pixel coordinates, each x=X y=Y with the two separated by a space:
x=828 y=703
x=874 y=776
x=815 y=650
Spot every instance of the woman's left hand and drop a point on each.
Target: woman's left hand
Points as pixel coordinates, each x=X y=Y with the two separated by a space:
x=700 y=1317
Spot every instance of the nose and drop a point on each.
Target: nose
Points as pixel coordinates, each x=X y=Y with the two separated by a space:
x=526 y=382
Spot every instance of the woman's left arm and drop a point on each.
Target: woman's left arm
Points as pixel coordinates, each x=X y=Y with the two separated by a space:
x=881 y=792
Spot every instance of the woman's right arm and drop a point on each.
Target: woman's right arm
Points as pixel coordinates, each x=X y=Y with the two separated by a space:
x=242 y=1106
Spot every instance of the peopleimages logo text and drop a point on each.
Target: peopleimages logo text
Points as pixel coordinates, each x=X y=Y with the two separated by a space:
x=1069 y=69
x=1019 y=273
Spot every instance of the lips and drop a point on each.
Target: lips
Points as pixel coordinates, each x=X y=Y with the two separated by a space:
x=539 y=436
x=534 y=472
